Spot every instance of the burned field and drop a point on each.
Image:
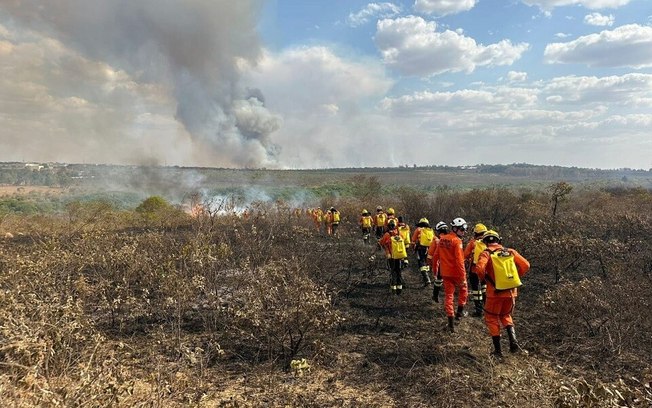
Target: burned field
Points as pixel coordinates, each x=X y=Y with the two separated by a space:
x=158 y=307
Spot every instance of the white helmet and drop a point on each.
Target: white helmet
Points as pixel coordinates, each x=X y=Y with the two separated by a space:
x=459 y=223
x=440 y=226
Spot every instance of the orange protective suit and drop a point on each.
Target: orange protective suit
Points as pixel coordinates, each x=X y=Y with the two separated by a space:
x=468 y=250
x=500 y=304
x=450 y=255
x=317 y=217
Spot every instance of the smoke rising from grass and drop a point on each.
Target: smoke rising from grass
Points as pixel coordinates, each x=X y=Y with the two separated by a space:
x=195 y=48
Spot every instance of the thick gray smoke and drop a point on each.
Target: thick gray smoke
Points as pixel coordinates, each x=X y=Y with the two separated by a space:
x=196 y=46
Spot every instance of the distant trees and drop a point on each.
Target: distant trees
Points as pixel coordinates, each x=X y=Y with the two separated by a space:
x=51 y=177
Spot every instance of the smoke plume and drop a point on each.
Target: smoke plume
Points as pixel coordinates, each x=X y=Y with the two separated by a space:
x=197 y=48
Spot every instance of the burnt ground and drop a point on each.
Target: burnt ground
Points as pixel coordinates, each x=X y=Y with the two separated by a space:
x=395 y=350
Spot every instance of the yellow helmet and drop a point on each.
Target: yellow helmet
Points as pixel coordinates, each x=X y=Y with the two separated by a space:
x=480 y=228
x=390 y=211
x=490 y=237
x=424 y=220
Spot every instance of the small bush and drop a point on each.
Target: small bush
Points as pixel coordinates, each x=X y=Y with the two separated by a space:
x=279 y=312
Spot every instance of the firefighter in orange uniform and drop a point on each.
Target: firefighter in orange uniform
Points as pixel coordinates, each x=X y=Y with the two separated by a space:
x=317 y=217
x=471 y=253
x=449 y=252
x=500 y=303
x=395 y=251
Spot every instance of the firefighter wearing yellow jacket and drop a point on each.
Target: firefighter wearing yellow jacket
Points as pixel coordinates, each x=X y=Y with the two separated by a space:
x=332 y=221
x=421 y=240
x=366 y=223
x=404 y=230
x=379 y=222
x=396 y=252
x=472 y=252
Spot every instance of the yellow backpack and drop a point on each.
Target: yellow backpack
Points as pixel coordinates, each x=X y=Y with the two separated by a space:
x=426 y=236
x=477 y=250
x=336 y=216
x=380 y=219
x=505 y=271
x=404 y=232
x=366 y=221
x=398 y=247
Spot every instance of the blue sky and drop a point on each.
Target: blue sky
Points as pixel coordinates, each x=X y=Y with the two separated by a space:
x=316 y=83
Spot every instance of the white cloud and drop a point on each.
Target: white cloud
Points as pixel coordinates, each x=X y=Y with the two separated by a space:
x=597 y=19
x=443 y=7
x=562 y=35
x=589 y=4
x=514 y=76
x=625 y=46
x=326 y=102
x=412 y=46
x=425 y=103
x=539 y=122
x=304 y=79
x=371 y=11
x=632 y=89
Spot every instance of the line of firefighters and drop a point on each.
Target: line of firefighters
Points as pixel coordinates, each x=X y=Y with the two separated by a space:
x=443 y=257
x=330 y=219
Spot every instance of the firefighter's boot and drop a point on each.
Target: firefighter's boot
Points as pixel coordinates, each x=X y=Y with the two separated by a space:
x=478 y=308
x=497 y=353
x=426 y=278
x=460 y=312
x=514 y=347
x=435 y=293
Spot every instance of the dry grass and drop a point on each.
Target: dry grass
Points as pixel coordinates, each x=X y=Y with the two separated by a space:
x=107 y=308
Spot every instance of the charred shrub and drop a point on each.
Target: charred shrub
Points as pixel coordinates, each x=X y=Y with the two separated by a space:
x=279 y=312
